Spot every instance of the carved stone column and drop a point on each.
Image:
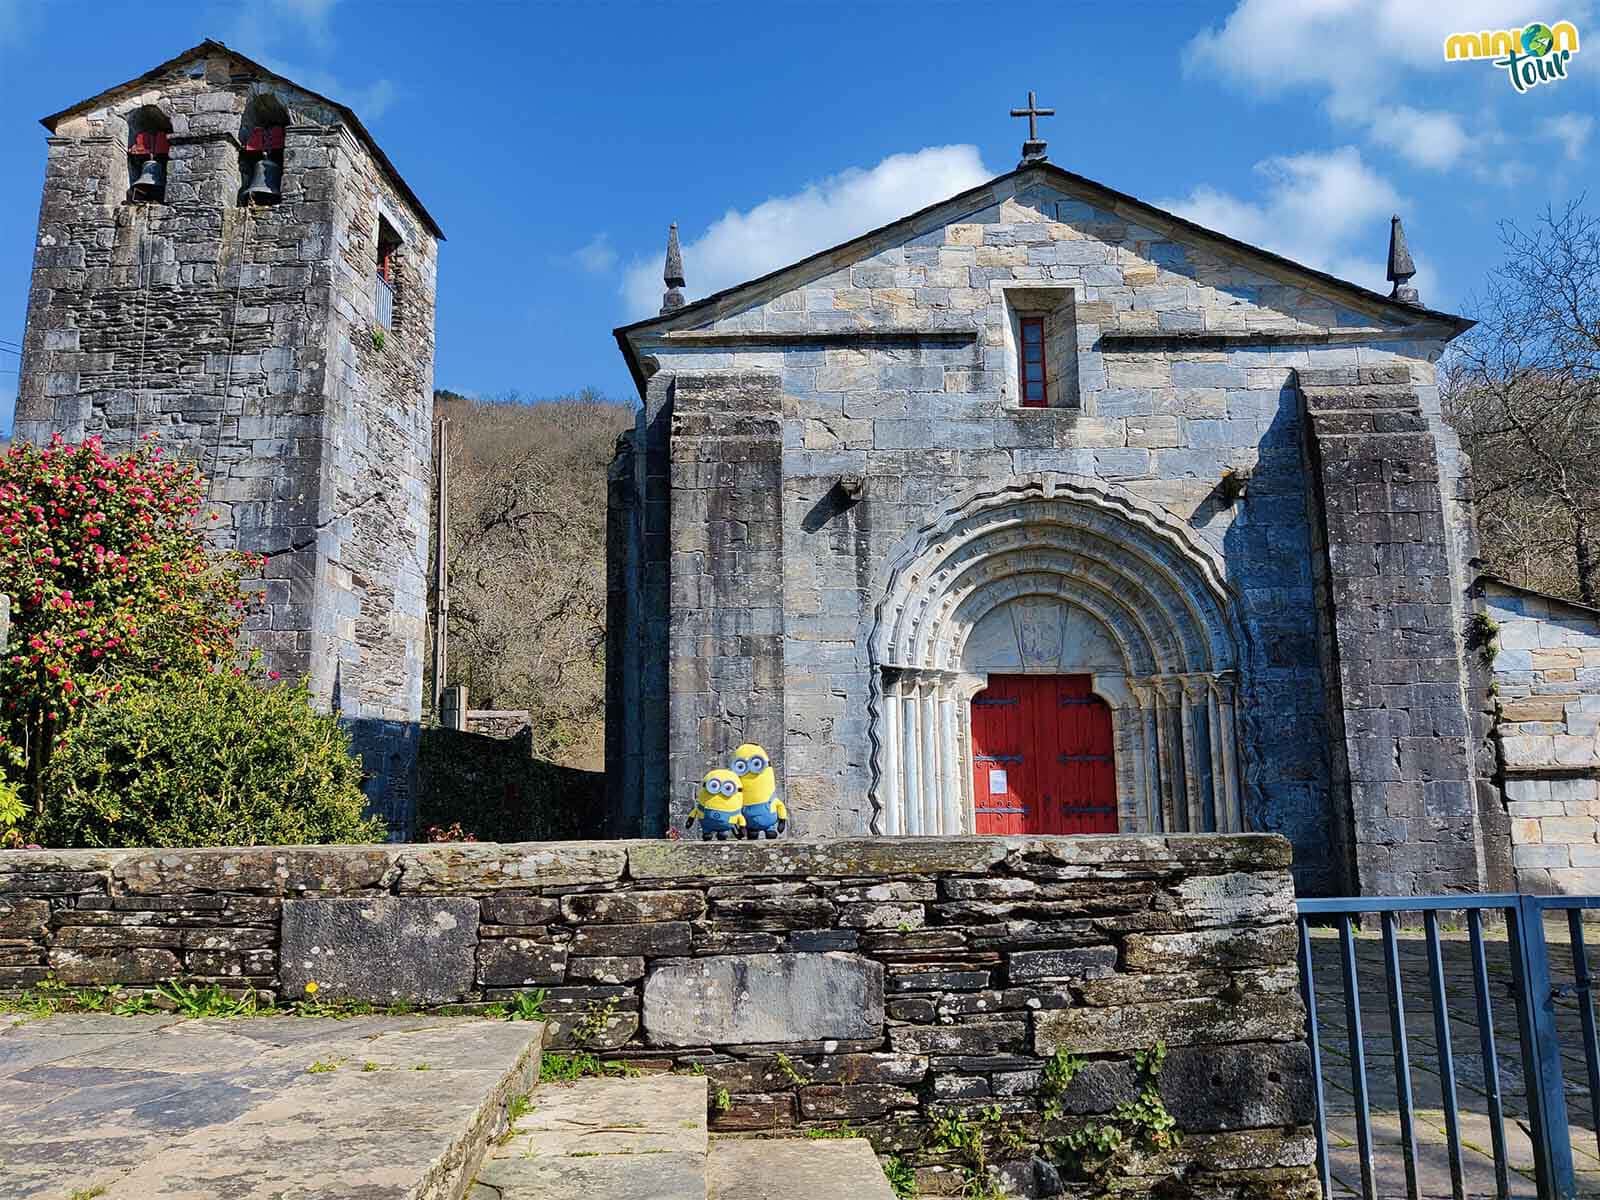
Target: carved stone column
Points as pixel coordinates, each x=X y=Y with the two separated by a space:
x=920 y=758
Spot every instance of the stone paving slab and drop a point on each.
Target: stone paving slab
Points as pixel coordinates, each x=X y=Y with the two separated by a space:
x=640 y=1138
x=791 y=1168
x=158 y=1108
x=659 y=1176
x=650 y=1114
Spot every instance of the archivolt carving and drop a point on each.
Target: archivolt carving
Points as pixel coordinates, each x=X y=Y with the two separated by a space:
x=1156 y=590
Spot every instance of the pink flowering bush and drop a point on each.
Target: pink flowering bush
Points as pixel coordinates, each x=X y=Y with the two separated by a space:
x=126 y=707
x=111 y=583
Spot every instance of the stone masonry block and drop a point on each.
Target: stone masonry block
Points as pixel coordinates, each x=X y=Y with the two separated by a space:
x=737 y=999
x=380 y=949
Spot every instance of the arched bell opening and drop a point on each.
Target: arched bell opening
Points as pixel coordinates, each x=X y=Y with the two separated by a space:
x=1064 y=581
x=149 y=148
x=262 y=137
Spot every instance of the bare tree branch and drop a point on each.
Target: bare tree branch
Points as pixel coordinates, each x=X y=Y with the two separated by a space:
x=527 y=560
x=1523 y=391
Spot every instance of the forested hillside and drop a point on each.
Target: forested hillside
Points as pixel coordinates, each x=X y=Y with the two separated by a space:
x=527 y=560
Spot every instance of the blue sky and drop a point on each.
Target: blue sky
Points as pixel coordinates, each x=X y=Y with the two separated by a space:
x=555 y=141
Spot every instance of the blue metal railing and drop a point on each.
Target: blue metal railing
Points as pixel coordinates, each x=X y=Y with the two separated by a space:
x=1539 y=1041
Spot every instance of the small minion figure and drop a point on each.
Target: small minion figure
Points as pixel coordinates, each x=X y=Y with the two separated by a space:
x=764 y=813
x=718 y=806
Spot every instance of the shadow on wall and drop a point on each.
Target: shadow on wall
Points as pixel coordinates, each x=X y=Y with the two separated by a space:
x=1269 y=547
x=388 y=753
x=497 y=791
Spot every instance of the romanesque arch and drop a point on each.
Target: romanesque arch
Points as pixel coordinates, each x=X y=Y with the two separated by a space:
x=1057 y=574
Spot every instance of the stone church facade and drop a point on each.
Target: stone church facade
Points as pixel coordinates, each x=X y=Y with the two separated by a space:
x=229 y=263
x=1043 y=430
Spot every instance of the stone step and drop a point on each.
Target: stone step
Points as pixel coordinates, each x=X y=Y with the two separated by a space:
x=256 y=1108
x=795 y=1169
x=642 y=1138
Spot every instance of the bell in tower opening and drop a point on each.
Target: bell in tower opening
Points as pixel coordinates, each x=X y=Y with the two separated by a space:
x=147 y=158
x=263 y=151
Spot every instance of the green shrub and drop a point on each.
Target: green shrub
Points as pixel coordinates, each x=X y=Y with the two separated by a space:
x=13 y=812
x=206 y=760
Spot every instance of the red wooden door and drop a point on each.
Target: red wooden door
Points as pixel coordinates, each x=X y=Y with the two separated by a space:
x=1042 y=760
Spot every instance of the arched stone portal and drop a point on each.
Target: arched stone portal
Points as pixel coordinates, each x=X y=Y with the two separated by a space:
x=1057 y=575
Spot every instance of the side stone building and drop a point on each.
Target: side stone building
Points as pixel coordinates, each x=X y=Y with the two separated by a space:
x=1545 y=654
x=228 y=262
x=1044 y=510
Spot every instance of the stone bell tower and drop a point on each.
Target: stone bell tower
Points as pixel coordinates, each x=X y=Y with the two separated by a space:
x=228 y=263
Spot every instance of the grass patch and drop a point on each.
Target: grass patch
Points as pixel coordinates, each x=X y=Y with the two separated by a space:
x=581 y=1064
x=528 y=1006
x=50 y=996
x=902 y=1179
x=207 y=1001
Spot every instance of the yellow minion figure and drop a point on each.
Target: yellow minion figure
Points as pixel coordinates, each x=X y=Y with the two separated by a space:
x=764 y=813
x=718 y=806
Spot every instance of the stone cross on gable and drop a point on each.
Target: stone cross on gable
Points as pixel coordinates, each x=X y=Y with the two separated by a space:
x=1033 y=148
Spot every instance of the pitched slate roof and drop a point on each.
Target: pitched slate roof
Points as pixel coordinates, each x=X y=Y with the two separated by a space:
x=979 y=196
x=211 y=46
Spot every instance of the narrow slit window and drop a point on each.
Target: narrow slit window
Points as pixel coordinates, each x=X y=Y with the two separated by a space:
x=388 y=249
x=1035 y=388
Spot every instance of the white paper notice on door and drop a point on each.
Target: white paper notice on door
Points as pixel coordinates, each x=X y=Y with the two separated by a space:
x=997 y=781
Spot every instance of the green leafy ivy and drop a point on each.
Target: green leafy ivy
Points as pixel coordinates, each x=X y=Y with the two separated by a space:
x=1095 y=1151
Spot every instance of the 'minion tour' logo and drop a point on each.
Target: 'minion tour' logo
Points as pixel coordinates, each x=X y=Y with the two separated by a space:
x=1531 y=56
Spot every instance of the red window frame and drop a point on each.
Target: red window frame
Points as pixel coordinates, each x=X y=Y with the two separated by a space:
x=1033 y=384
x=386 y=261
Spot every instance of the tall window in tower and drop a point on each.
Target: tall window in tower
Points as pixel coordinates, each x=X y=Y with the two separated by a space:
x=385 y=285
x=1034 y=386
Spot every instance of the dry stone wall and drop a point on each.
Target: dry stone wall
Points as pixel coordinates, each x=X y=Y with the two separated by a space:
x=879 y=982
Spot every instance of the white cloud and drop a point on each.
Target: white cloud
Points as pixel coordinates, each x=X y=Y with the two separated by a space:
x=1572 y=130
x=268 y=22
x=1329 y=211
x=262 y=29
x=1423 y=138
x=310 y=15
x=1362 y=54
x=597 y=255
x=1350 y=47
x=743 y=245
x=369 y=102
